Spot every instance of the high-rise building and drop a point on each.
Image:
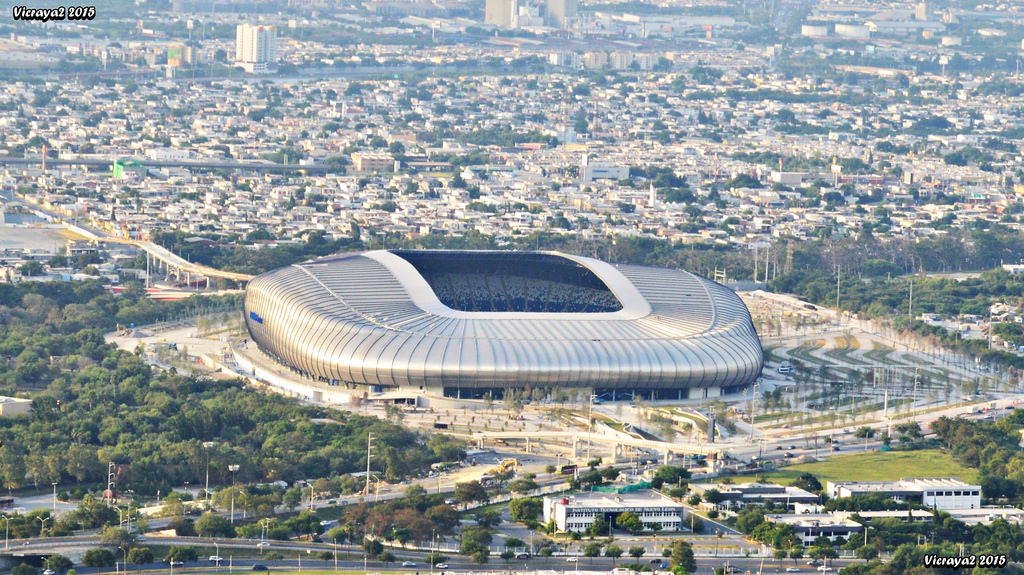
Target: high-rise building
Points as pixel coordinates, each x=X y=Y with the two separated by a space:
x=560 y=11
x=922 y=12
x=502 y=13
x=255 y=47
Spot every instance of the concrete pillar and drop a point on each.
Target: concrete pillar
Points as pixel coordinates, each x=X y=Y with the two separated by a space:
x=668 y=457
x=528 y=445
x=575 y=446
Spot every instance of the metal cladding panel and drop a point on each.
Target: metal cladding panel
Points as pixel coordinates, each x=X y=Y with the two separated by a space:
x=368 y=319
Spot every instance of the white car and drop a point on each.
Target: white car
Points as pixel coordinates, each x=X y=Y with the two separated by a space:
x=263 y=544
x=792 y=569
x=408 y=563
x=215 y=559
x=823 y=568
x=441 y=566
x=570 y=559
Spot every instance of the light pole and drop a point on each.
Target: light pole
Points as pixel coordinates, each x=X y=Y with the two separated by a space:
x=335 y=553
x=208 y=445
x=42 y=524
x=54 y=497
x=590 y=424
x=232 y=469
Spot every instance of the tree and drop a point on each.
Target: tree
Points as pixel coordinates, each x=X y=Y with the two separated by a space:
x=292 y=498
x=475 y=541
x=808 y=482
x=630 y=522
x=59 y=563
x=637 y=552
x=682 y=556
x=140 y=556
x=522 y=485
x=613 y=551
x=182 y=554
x=864 y=432
x=31 y=268
x=213 y=525
x=525 y=509
x=796 y=551
x=373 y=547
x=470 y=491
x=749 y=520
x=487 y=518
x=118 y=537
x=98 y=558
x=592 y=549
x=24 y=569
x=386 y=557
x=507 y=555
x=713 y=496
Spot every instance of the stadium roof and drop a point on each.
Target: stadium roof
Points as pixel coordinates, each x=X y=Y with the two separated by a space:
x=374 y=318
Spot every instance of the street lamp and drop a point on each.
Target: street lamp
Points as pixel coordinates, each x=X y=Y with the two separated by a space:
x=232 y=469
x=590 y=424
x=42 y=524
x=208 y=445
x=54 y=497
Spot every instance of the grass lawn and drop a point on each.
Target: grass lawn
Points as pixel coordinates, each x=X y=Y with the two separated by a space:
x=879 y=466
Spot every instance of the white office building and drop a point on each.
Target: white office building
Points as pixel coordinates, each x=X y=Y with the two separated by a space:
x=255 y=47
x=938 y=493
x=578 y=512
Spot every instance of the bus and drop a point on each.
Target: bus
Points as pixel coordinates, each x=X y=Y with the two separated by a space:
x=567 y=469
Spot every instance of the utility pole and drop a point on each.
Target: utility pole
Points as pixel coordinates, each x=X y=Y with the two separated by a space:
x=369 y=444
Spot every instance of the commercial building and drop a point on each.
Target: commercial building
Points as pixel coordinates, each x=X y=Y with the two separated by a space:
x=742 y=494
x=255 y=47
x=938 y=493
x=470 y=323
x=810 y=526
x=373 y=162
x=577 y=513
x=560 y=12
x=591 y=170
x=502 y=13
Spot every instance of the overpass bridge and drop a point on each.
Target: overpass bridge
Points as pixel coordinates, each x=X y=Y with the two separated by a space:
x=179 y=266
x=617 y=442
x=175 y=265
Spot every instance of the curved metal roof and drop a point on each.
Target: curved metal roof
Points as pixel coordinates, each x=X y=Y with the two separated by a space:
x=371 y=318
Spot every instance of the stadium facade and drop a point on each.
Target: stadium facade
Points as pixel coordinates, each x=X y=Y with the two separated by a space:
x=466 y=323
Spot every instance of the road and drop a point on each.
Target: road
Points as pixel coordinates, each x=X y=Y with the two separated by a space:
x=351 y=557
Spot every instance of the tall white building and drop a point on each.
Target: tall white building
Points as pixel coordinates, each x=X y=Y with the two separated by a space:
x=502 y=13
x=559 y=12
x=255 y=47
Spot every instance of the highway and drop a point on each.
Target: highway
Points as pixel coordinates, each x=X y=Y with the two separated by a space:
x=351 y=557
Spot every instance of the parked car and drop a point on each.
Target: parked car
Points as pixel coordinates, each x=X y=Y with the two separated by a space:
x=408 y=563
x=259 y=567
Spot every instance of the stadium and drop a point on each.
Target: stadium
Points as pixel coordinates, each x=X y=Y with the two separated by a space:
x=462 y=324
